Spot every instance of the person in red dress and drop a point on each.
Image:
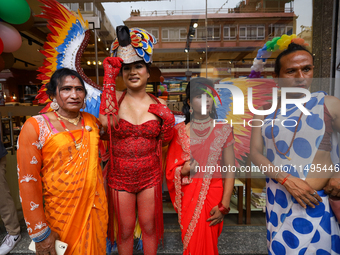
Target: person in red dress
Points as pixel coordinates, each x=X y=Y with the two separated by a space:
x=141 y=124
x=200 y=198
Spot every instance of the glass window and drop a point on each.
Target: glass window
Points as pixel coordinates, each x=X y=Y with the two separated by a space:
x=88 y=7
x=183 y=34
x=154 y=32
x=165 y=34
x=75 y=7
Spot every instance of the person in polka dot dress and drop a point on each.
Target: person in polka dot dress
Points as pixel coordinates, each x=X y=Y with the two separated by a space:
x=299 y=217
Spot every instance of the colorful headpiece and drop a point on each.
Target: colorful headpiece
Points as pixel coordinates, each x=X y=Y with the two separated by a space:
x=278 y=43
x=133 y=45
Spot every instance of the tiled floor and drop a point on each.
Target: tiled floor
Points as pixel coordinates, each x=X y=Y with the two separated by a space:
x=235 y=239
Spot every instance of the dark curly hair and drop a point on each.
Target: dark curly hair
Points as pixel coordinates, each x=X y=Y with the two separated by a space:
x=292 y=47
x=58 y=78
x=194 y=88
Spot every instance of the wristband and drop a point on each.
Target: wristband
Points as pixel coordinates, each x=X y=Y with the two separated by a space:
x=222 y=209
x=43 y=236
x=285 y=179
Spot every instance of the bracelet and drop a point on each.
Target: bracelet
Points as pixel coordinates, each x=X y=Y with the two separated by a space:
x=276 y=175
x=222 y=209
x=285 y=179
x=43 y=236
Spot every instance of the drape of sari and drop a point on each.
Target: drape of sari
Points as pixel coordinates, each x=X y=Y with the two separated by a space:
x=193 y=198
x=70 y=181
x=291 y=229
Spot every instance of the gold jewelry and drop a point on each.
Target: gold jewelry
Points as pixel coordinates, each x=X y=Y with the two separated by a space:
x=74 y=121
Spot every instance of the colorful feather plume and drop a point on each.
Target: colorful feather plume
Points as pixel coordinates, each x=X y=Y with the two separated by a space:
x=261 y=95
x=64 y=47
x=142 y=41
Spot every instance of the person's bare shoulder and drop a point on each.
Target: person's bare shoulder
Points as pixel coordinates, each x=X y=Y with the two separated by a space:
x=333 y=105
x=162 y=101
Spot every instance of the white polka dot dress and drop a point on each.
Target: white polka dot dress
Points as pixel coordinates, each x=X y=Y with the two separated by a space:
x=291 y=229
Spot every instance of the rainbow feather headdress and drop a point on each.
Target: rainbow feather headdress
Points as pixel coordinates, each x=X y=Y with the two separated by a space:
x=261 y=94
x=64 y=47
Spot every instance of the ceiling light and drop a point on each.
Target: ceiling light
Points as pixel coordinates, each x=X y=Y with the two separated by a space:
x=94 y=63
x=98 y=39
x=195 y=25
x=89 y=62
x=186 y=50
x=100 y=63
x=107 y=48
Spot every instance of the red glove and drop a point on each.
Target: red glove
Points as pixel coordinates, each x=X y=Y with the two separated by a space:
x=168 y=118
x=109 y=103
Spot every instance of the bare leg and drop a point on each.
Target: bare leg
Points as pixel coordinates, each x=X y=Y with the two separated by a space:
x=146 y=217
x=127 y=217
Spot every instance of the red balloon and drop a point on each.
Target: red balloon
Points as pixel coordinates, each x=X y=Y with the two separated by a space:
x=161 y=79
x=1 y=46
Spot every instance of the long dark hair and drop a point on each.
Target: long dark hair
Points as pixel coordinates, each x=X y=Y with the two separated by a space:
x=194 y=88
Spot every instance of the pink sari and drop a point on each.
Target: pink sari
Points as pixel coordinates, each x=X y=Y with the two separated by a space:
x=193 y=198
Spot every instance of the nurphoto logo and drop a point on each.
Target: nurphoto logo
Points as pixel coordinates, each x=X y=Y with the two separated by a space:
x=238 y=104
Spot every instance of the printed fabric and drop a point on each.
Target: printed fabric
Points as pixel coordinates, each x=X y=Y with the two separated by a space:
x=70 y=181
x=291 y=229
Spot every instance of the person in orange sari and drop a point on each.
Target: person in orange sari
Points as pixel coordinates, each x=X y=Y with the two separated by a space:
x=200 y=199
x=58 y=161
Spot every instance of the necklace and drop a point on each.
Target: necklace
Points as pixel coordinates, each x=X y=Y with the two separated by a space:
x=74 y=121
x=291 y=142
x=77 y=145
x=199 y=127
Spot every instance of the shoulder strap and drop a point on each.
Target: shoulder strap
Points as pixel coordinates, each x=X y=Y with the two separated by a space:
x=51 y=125
x=121 y=98
x=155 y=98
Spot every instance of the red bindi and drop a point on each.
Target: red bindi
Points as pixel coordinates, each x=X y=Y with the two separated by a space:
x=73 y=77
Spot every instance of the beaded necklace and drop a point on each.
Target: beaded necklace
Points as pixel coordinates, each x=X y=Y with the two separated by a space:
x=291 y=142
x=201 y=130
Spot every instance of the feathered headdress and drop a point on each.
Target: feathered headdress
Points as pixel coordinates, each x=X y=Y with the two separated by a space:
x=64 y=47
x=133 y=45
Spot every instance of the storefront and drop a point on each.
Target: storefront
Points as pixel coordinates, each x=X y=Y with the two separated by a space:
x=214 y=39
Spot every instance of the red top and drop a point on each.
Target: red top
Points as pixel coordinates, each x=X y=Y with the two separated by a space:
x=136 y=158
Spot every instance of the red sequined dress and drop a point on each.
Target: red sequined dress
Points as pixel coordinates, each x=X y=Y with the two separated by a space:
x=136 y=157
x=136 y=161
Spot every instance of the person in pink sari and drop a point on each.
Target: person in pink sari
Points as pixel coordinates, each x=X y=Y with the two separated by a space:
x=200 y=198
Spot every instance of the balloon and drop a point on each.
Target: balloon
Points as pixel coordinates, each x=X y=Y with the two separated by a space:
x=1 y=46
x=161 y=88
x=8 y=59
x=25 y=26
x=161 y=79
x=10 y=37
x=15 y=11
x=2 y=64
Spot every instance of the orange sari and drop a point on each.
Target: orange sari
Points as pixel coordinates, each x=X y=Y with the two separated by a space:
x=70 y=181
x=193 y=198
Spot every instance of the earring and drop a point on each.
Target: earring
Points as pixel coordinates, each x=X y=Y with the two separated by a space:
x=54 y=105
x=84 y=105
x=191 y=110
